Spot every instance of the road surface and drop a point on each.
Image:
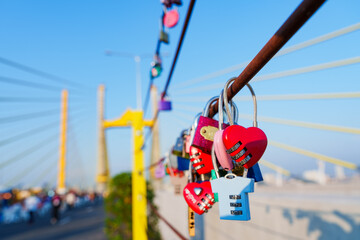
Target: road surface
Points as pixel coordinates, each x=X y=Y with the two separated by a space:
x=81 y=223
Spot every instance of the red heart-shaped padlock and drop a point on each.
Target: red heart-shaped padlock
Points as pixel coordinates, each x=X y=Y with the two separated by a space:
x=245 y=145
x=201 y=161
x=171 y=18
x=199 y=196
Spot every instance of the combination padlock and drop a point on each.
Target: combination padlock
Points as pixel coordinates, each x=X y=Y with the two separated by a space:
x=231 y=192
x=199 y=196
x=201 y=161
x=206 y=129
x=245 y=145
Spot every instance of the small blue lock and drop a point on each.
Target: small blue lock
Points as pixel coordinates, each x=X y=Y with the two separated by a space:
x=231 y=192
x=255 y=173
x=233 y=196
x=183 y=163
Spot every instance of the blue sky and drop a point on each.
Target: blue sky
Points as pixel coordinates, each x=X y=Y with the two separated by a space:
x=69 y=38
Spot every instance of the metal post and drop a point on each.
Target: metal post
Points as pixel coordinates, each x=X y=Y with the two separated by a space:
x=134 y=119
x=103 y=172
x=138 y=82
x=155 y=142
x=62 y=147
x=139 y=214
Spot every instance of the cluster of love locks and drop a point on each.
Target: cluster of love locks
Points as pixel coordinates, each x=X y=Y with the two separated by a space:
x=220 y=159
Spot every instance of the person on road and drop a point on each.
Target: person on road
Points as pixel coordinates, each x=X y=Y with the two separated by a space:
x=31 y=205
x=56 y=204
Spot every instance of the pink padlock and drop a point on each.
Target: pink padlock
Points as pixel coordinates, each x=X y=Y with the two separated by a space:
x=160 y=170
x=171 y=18
x=187 y=143
x=223 y=157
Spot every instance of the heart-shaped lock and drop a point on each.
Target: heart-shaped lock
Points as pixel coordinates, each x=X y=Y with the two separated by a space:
x=201 y=161
x=171 y=18
x=199 y=196
x=245 y=145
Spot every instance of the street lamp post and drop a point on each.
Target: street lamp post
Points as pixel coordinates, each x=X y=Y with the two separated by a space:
x=137 y=59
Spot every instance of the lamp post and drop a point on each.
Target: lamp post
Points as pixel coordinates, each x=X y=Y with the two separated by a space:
x=137 y=59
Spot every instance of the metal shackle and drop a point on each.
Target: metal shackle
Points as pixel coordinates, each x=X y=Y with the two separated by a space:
x=255 y=124
x=206 y=110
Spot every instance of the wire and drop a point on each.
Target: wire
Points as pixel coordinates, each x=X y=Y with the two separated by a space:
x=284 y=97
x=27 y=99
x=304 y=124
x=31 y=168
x=283 y=52
x=28 y=116
x=38 y=72
x=29 y=133
x=277 y=75
x=187 y=20
x=44 y=173
x=29 y=150
x=28 y=84
x=315 y=155
x=147 y=98
x=188 y=15
x=166 y=222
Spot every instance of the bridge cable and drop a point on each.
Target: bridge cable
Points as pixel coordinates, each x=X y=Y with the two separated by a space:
x=283 y=52
x=29 y=133
x=296 y=20
x=38 y=72
x=29 y=150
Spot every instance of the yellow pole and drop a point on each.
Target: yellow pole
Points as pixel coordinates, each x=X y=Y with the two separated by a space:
x=139 y=214
x=62 y=148
x=135 y=120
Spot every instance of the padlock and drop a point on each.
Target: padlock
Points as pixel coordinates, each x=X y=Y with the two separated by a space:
x=164 y=104
x=169 y=3
x=199 y=196
x=179 y=182
x=233 y=197
x=193 y=128
x=173 y=162
x=179 y=145
x=201 y=161
x=156 y=67
x=160 y=170
x=179 y=148
x=223 y=157
x=245 y=145
x=183 y=163
x=187 y=144
x=255 y=173
x=206 y=129
x=171 y=18
x=164 y=37
x=231 y=192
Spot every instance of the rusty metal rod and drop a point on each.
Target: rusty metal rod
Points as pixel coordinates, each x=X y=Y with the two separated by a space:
x=296 y=20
